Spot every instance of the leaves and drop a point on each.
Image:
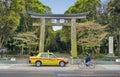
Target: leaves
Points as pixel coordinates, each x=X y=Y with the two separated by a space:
x=90 y=34
x=9 y=18
x=81 y=6
x=14 y=18
x=114 y=20
x=27 y=37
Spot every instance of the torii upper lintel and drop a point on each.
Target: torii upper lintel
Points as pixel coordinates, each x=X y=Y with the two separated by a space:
x=59 y=16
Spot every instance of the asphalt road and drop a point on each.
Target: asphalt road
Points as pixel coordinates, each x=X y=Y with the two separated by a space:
x=21 y=70
x=59 y=74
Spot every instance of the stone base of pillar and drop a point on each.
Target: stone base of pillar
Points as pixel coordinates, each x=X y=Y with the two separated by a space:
x=110 y=55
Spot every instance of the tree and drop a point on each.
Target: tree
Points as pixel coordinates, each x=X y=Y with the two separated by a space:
x=25 y=40
x=81 y=6
x=26 y=23
x=14 y=21
x=102 y=16
x=9 y=18
x=90 y=36
x=31 y=6
x=65 y=36
x=114 y=19
x=50 y=41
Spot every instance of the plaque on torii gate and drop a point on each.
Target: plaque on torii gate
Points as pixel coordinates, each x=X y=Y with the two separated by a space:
x=71 y=17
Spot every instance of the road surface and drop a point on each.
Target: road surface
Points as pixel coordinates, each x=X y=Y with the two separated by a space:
x=26 y=70
x=76 y=73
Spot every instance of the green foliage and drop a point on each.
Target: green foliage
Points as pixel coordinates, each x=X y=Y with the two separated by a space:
x=27 y=37
x=9 y=18
x=81 y=6
x=16 y=29
x=116 y=53
x=100 y=55
x=25 y=40
x=65 y=34
x=114 y=20
x=37 y=6
x=82 y=55
x=31 y=6
x=50 y=41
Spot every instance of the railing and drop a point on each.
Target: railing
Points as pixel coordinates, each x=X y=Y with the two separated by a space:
x=7 y=60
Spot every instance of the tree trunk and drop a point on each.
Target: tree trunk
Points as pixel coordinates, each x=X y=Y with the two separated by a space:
x=21 y=51
x=1 y=41
x=97 y=50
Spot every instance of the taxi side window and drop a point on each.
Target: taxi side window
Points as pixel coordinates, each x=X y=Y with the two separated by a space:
x=52 y=56
x=44 y=56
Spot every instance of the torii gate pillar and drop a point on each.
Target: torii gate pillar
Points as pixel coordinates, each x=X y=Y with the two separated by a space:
x=73 y=38
x=42 y=35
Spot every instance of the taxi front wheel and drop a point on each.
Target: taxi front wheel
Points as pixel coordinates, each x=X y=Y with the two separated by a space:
x=62 y=64
x=38 y=63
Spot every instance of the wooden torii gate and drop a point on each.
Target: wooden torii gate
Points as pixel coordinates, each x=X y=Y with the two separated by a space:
x=71 y=17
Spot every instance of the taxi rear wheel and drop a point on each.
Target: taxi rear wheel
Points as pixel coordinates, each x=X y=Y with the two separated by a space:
x=62 y=64
x=38 y=63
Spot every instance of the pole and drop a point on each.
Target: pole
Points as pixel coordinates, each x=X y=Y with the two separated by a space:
x=42 y=35
x=73 y=38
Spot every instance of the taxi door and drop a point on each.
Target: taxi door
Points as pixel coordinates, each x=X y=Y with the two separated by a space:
x=53 y=59
x=44 y=58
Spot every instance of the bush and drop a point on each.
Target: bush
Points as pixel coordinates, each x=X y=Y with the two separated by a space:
x=100 y=55
x=116 y=53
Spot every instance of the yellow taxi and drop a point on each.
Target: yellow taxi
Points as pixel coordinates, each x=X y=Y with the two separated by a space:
x=47 y=59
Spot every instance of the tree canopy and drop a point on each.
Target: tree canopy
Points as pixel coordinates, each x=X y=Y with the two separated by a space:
x=14 y=20
x=90 y=35
x=113 y=22
x=81 y=6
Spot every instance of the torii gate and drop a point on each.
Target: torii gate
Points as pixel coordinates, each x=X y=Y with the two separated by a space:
x=71 y=17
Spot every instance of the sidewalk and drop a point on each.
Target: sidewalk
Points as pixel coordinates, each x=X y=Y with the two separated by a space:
x=28 y=67
x=75 y=61
x=21 y=64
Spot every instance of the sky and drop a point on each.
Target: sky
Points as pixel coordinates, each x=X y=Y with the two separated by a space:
x=58 y=6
